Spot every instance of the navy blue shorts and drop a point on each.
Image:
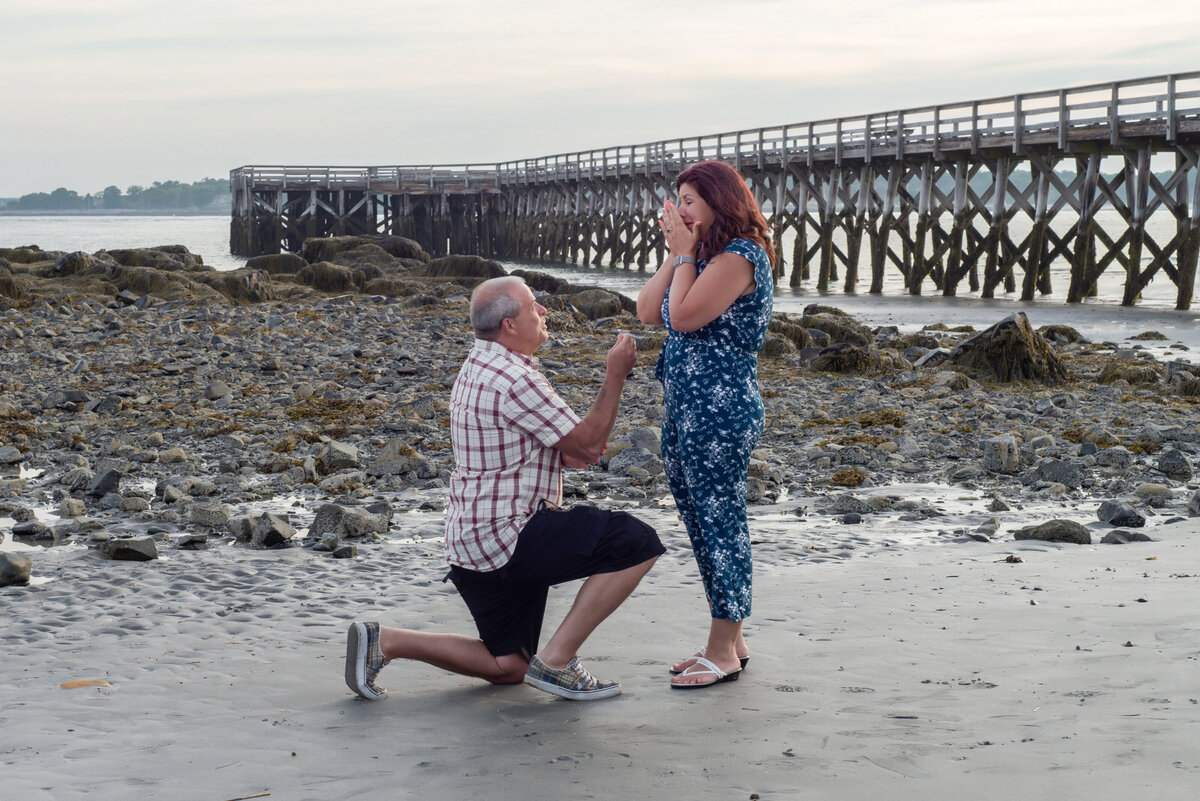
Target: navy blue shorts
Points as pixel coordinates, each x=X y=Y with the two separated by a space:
x=556 y=546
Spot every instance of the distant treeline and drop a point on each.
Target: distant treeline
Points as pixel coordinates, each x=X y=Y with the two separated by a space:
x=206 y=193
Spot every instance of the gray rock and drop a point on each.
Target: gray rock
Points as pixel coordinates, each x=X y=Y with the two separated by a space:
x=193 y=541
x=216 y=390
x=1056 y=531
x=844 y=504
x=14 y=569
x=11 y=455
x=134 y=549
x=348 y=522
x=1175 y=464
x=71 y=507
x=1114 y=457
x=271 y=531
x=1121 y=537
x=337 y=456
x=209 y=515
x=1194 y=505
x=30 y=528
x=1116 y=513
x=635 y=458
x=1002 y=455
x=1069 y=474
x=104 y=483
x=345 y=551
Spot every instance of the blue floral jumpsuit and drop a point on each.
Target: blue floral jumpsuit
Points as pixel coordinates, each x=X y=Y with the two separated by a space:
x=712 y=418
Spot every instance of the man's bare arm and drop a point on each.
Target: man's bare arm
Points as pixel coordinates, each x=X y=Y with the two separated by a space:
x=585 y=443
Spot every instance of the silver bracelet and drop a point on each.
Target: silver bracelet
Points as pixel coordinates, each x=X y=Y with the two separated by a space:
x=683 y=260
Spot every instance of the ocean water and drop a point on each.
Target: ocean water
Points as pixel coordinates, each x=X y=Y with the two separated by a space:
x=1101 y=318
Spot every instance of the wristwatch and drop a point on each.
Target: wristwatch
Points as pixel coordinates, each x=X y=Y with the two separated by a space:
x=683 y=260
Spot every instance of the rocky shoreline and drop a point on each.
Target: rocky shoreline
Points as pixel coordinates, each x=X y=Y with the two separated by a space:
x=151 y=404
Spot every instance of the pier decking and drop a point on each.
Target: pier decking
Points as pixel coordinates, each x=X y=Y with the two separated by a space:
x=930 y=192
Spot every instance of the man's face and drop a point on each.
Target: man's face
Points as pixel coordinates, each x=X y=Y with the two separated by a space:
x=530 y=324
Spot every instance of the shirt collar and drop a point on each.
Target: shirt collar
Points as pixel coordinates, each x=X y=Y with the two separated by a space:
x=511 y=355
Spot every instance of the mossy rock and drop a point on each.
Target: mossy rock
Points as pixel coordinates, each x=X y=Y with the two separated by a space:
x=78 y=262
x=242 y=286
x=329 y=277
x=1190 y=388
x=1011 y=351
x=846 y=358
x=820 y=308
x=796 y=334
x=464 y=267
x=369 y=257
x=170 y=258
x=393 y=287
x=596 y=304
x=15 y=286
x=1063 y=334
x=542 y=282
x=27 y=254
x=5 y=267
x=1131 y=373
x=777 y=346
x=841 y=327
x=326 y=248
x=277 y=263
x=1151 y=336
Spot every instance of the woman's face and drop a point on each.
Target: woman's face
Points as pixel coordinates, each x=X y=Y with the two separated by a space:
x=693 y=209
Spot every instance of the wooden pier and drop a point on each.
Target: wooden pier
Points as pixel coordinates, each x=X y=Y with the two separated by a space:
x=929 y=192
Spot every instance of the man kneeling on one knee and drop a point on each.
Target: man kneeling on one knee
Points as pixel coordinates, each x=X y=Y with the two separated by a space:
x=507 y=539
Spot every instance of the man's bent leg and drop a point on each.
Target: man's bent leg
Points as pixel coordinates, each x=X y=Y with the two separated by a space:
x=598 y=598
x=457 y=653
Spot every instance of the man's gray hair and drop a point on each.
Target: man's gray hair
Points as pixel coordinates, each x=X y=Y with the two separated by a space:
x=492 y=303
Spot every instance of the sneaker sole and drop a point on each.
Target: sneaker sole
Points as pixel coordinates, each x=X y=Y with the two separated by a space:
x=356 y=663
x=574 y=695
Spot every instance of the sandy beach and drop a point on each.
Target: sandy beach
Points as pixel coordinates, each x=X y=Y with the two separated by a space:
x=905 y=644
x=920 y=668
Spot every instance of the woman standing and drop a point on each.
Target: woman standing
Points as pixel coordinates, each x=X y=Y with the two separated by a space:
x=714 y=295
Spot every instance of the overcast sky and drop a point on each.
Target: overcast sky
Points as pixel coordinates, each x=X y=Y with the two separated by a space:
x=100 y=92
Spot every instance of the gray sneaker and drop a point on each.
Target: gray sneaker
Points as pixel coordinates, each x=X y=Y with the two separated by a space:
x=364 y=660
x=572 y=682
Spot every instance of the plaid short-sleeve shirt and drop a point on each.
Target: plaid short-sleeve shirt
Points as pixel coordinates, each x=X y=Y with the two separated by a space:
x=504 y=420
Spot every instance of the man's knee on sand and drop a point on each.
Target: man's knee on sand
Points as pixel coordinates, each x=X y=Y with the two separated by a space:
x=512 y=669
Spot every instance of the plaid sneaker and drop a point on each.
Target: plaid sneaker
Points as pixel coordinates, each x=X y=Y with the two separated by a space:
x=572 y=682
x=364 y=660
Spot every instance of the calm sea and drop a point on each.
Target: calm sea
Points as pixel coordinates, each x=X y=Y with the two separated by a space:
x=1099 y=318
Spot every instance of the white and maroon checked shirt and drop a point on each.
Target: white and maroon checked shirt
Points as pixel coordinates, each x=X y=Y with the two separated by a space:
x=504 y=418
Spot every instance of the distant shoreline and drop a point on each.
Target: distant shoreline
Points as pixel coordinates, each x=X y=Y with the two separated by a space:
x=111 y=213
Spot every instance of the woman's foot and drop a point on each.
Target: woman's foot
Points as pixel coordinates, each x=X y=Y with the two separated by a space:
x=704 y=672
x=681 y=666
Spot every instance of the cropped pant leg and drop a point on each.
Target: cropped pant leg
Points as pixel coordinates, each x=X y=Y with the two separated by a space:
x=706 y=462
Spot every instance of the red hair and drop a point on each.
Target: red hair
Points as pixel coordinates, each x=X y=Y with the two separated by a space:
x=735 y=214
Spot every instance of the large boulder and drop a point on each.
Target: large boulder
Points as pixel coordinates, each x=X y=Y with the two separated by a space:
x=172 y=258
x=1011 y=351
x=329 y=277
x=839 y=325
x=797 y=334
x=464 y=267
x=1130 y=373
x=277 y=263
x=326 y=248
x=242 y=286
x=1056 y=531
x=846 y=358
x=596 y=304
x=133 y=549
x=14 y=569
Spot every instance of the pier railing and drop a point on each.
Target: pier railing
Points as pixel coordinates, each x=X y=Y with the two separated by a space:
x=1164 y=106
x=883 y=181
